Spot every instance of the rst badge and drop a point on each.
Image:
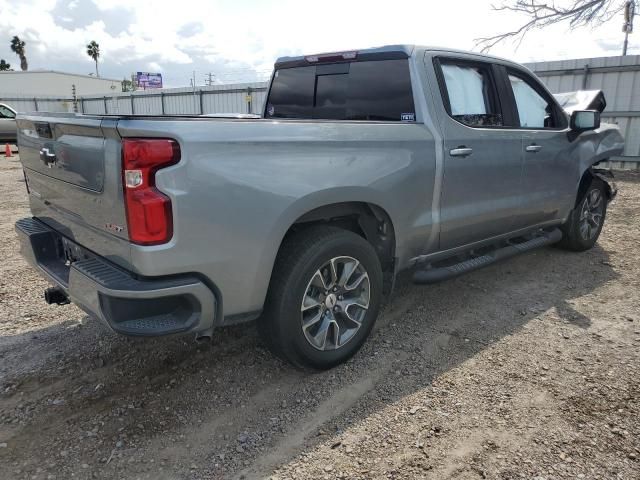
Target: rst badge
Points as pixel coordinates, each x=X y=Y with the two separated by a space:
x=114 y=228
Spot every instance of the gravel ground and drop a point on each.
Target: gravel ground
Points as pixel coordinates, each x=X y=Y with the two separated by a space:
x=526 y=369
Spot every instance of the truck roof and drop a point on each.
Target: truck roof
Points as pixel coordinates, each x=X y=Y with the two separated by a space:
x=387 y=51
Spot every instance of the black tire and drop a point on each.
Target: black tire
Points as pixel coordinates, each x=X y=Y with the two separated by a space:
x=576 y=237
x=301 y=257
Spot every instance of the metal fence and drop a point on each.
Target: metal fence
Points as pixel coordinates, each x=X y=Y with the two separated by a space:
x=24 y=103
x=232 y=98
x=237 y=98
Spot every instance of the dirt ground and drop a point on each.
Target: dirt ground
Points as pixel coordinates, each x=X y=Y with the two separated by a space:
x=526 y=369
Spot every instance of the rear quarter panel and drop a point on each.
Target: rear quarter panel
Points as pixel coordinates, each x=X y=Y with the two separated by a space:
x=240 y=185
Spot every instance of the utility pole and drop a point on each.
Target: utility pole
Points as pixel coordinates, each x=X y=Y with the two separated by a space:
x=627 y=27
x=208 y=79
x=75 y=98
x=193 y=85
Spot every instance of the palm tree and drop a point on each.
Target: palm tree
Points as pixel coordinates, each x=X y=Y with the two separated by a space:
x=93 y=50
x=4 y=66
x=17 y=47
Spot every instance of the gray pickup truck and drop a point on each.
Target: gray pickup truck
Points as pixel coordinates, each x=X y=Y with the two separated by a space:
x=364 y=163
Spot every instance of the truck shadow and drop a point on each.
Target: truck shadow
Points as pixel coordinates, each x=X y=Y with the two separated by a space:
x=205 y=395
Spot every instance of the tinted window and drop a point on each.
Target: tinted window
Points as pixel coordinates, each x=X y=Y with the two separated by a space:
x=371 y=90
x=331 y=95
x=291 y=94
x=471 y=95
x=534 y=111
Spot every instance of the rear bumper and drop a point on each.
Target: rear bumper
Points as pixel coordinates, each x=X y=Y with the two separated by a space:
x=130 y=305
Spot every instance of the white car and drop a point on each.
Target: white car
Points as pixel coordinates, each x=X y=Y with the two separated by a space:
x=7 y=123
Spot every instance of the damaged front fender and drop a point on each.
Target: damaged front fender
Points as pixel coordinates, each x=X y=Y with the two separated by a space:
x=593 y=147
x=607 y=177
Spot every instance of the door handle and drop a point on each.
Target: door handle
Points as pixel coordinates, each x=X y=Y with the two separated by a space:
x=533 y=148
x=461 y=151
x=48 y=157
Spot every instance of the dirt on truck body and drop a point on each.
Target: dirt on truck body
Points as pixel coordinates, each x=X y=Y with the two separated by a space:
x=526 y=369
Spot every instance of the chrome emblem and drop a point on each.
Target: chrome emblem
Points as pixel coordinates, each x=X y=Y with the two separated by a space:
x=330 y=301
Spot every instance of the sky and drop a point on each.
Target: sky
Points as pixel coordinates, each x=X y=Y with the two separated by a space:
x=239 y=40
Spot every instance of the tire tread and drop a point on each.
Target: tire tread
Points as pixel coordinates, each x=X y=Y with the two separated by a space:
x=571 y=239
x=297 y=248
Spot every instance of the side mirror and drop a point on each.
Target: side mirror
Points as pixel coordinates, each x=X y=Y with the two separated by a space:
x=582 y=120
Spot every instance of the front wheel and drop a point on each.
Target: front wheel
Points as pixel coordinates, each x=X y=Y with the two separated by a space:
x=585 y=222
x=324 y=297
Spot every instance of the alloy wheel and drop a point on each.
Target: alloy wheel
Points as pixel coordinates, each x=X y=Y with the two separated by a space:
x=591 y=214
x=335 y=303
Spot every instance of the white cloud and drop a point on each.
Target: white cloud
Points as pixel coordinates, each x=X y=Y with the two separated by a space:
x=235 y=37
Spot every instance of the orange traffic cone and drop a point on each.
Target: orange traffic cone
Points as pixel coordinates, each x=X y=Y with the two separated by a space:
x=7 y=151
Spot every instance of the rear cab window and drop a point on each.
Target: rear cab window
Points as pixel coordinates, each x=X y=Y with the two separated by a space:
x=370 y=90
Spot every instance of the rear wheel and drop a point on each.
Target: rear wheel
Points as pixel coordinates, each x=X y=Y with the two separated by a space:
x=583 y=227
x=324 y=297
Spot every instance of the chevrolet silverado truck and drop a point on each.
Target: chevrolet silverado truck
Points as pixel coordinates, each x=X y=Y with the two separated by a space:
x=364 y=163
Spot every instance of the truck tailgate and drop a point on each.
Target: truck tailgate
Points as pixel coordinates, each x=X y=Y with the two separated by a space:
x=72 y=167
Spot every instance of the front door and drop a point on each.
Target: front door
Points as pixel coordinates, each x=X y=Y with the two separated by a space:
x=549 y=171
x=481 y=186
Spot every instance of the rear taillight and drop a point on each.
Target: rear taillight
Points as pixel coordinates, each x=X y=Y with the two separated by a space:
x=149 y=216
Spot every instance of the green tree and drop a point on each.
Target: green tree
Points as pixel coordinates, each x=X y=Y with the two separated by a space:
x=93 y=50
x=128 y=85
x=17 y=47
x=4 y=66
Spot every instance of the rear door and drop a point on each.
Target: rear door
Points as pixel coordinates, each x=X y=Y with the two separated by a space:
x=482 y=159
x=549 y=172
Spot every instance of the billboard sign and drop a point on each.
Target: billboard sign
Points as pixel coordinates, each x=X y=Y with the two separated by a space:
x=146 y=80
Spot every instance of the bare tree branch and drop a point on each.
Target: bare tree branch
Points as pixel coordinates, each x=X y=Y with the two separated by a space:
x=541 y=13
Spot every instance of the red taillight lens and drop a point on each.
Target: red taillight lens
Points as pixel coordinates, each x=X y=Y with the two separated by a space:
x=149 y=216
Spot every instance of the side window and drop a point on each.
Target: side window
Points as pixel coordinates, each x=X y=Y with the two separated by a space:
x=6 y=113
x=471 y=95
x=534 y=110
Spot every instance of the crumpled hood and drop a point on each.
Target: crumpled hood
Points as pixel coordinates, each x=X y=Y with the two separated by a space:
x=581 y=100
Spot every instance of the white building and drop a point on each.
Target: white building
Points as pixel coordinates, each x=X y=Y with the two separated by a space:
x=51 y=83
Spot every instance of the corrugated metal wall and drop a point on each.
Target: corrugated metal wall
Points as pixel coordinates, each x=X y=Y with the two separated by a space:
x=618 y=77
x=233 y=98
x=24 y=103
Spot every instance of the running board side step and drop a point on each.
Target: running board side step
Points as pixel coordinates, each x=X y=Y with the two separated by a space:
x=437 y=274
